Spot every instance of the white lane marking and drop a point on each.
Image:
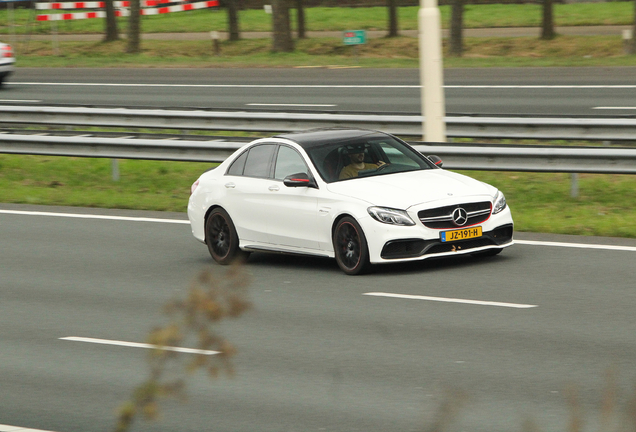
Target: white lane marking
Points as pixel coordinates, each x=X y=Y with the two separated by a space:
x=451 y=300
x=9 y=428
x=576 y=245
x=614 y=108
x=291 y=105
x=185 y=222
x=138 y=345
x=322 y=86
x=557 y=86
x=21 y=101
x=94 y=216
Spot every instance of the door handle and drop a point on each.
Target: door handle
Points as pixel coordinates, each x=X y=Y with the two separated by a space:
x=274 y=188
x=230 y=185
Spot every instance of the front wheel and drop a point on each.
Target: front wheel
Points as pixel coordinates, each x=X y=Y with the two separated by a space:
x=221 y=238
x=350 y=247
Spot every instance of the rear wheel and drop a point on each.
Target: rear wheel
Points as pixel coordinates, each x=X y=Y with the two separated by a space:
x=350 y=247
x=221 y=238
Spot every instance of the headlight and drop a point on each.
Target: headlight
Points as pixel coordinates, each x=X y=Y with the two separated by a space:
x=499 y=203
x=390 y=216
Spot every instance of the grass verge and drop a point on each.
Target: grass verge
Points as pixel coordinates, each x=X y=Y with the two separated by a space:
x=401 y=52
x=539 y=202
x=337 y=18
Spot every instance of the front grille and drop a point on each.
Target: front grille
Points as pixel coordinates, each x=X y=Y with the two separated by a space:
x=442 y=217
x=412 y=248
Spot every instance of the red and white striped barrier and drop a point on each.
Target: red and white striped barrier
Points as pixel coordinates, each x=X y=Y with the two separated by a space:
x=99 y=4
x=153 y=10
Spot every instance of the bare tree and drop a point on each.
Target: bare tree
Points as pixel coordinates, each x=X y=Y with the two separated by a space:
x=283 y=41
x=232 y=19
x=393 y=18
x=112 y=34
x=456 y=27
x=547 y=28
x=300 y=17
x=134 y=27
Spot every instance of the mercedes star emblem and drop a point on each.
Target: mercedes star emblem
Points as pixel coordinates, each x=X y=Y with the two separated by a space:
x=460 y=217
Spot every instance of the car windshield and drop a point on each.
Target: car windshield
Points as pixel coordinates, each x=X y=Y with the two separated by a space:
x=364 y=157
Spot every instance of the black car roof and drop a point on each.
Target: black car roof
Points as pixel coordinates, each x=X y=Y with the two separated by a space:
x=317 y=137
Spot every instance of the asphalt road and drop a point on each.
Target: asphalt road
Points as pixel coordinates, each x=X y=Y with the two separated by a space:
x=507 y=91
x=315 y=353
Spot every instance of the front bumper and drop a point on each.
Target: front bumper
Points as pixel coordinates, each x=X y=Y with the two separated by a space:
x=418 y=248
x=412 y=243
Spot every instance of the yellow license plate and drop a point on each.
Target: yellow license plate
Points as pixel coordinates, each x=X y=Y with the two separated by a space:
x=461 y=234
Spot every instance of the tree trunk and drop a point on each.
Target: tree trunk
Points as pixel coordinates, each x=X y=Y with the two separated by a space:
x=393 y=18
x=547 y=31
x=300 y=17
x=112 y=34
x=232 y=19
x=134 y=28
x=283 y=41
x=456 y=27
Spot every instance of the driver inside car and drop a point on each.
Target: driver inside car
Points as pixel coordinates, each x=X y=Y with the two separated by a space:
x=357 y=163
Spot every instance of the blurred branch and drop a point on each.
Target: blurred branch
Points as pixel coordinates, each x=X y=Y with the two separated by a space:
x=448 y=411
x=210 y=300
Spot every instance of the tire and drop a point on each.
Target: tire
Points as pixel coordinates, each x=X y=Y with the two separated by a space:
x=350 y=247
x=487 y=253
x=222 y=239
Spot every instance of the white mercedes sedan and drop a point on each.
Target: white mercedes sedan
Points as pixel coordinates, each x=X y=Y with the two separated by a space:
x=362 y=197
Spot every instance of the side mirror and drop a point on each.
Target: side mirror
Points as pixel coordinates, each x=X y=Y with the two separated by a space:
x=436 y=160
x=300 y=180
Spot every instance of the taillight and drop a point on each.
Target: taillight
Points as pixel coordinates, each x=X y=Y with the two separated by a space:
x=194 y=186
x=7 y=51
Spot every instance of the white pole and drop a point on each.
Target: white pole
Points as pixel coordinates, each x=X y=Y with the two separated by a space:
x=431 y=72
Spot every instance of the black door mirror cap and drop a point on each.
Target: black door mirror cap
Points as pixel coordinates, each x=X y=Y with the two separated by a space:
x=436 y=160
x=299 y=180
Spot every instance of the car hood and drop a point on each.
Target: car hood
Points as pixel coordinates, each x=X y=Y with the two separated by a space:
x=404 y=190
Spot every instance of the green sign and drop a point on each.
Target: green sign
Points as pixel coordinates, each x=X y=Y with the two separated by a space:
x=354 y=37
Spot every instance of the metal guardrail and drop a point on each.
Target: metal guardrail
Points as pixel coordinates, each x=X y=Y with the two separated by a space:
x=607 y=160
x=595 y=129
x=599 y=160
x=119 y=148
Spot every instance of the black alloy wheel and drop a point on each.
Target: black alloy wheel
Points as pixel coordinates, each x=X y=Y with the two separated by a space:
x=221 y=237
x=350 y=247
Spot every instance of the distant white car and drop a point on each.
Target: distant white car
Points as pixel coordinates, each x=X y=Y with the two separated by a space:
x=360 y=196
x=7 y=62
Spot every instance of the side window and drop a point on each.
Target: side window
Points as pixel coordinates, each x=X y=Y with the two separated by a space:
x=288 y=162
x=238 y=165
x=258 y=161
